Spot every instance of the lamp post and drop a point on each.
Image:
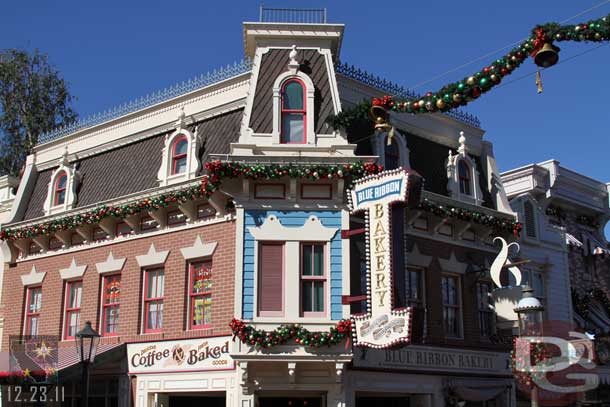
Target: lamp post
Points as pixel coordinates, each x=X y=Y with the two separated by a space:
x=86 y=346
x=530 y=312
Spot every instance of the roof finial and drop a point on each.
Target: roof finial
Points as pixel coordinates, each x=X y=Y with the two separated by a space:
x=293 y=64
x=462 y=140
x=64 y=157
x=181 y=119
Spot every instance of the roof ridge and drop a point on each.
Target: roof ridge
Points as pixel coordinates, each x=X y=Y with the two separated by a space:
x=170 y=92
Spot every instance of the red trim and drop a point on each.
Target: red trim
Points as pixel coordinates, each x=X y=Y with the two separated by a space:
x=69 y=310
x=347 y=299
x=29 y=315
x=313 y=278
x=176 y=157
x=202 y=294
x=150 y=300
x=257 y=196
x=107 y=305
x=293 y=111
x=272 y=313
x=59 y=190
x=329 y=196
x=184 y=371
x=346 y=234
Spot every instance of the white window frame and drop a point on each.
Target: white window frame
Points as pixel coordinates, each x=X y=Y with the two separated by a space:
x=310 y=135
x=193 y=164
x=72 y=180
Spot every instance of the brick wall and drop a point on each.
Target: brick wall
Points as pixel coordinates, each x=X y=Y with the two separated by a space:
x=175 y=300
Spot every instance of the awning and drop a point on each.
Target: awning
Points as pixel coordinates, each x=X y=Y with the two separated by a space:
x=68 y=357
x=478 y=389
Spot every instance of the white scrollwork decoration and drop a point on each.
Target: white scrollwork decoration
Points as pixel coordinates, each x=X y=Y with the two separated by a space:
x=502 y=261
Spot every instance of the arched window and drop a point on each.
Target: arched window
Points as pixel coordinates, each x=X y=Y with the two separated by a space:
x=293 y=112
x=60 y=189
x=464 y=176
x=392 y=155
x=179 y=150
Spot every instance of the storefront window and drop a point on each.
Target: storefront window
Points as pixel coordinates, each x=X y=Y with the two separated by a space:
x=74 y=290
x=153 y=300
x=313 y=279
x=32 y=313
x=111 y=303
x=451 y=306
x=201 y=295
x=486 y=314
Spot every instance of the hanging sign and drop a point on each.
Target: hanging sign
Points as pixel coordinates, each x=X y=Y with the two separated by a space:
x=501 y=262
x=382 y=326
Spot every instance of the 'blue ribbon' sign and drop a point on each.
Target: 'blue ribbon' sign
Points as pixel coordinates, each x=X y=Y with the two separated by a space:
x=373 y=193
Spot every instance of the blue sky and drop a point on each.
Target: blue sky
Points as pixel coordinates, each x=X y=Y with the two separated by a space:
x=111 y=52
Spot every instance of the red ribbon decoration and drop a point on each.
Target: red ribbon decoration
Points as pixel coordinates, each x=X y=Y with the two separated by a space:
x=538 y=42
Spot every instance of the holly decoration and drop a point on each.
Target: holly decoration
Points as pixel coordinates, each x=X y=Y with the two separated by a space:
x=460 y=93
x=217 y=170
x=539 y=355
x=259 y=338
x=448 y=211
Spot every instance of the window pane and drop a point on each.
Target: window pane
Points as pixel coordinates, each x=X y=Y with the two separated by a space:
x=160 y=281
x=112 y=319
x=180 y=165
x=73 y=322
x=307 y=260
x=318 y=257
x=61 y=197
x=293 y=128
x=35 y=300
x=318 y=295
x=181 y=146
x=202 y=310
x=155 y=315
x=538 y=285
x=32 y=328
x=293 y=96
x=61 y=182
x=307 y=296
x=201 y=279
x=75 y=295
x=112 y=291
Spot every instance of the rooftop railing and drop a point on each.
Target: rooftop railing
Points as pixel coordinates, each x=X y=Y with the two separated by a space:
x=179 y=89
x=396 y=90
x=293 y=15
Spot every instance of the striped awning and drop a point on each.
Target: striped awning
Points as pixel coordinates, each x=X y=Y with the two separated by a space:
x=68 y=357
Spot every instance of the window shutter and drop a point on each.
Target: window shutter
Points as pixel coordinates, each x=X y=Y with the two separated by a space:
x=271 y=264
x=530 y=219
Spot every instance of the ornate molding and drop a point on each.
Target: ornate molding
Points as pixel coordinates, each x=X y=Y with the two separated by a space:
x=416 y=258
x=111 y=265
x=33 y=278
x=452 y=265
x=198 y=249
x=312 y=230
x=73 y=271
x=152 y=258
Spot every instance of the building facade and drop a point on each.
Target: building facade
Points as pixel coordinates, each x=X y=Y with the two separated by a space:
x=215 y=222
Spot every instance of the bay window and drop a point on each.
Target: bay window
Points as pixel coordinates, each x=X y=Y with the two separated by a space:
x=32 y=312
x=313 y=279
x=200 y=295
x=74 y=291
x=153 y=300
x=111 y=302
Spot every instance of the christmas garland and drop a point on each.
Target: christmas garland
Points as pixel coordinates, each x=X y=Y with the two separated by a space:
x=581 y=302
x=538 y=356
x=209 y=183
x=557 y=212
x=249 y=335
x=448 y=211
x=470 y=88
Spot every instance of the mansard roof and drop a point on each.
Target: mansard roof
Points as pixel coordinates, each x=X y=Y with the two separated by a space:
x=273 y=64
x=133 y=167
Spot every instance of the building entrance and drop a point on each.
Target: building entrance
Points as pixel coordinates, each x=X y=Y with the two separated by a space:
x=291 y=402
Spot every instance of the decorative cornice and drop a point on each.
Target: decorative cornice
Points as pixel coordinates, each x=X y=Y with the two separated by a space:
x=312 y=230
x=416 y=258
x=110 y=265
x=73 y=271
x=452 y=265
x=152 y=258
x=198 y=249
x=33 y=278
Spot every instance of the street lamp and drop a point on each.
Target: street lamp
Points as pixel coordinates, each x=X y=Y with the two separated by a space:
x=86 y=346
x=530 y=312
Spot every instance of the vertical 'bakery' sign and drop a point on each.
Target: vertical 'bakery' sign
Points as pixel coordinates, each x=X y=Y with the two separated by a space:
x=382 y=326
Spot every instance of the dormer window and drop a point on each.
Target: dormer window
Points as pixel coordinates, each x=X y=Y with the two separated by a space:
x=180 y=162
x=179 y=153
x=464 y=177
x=293 y=112
x=60 y=189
